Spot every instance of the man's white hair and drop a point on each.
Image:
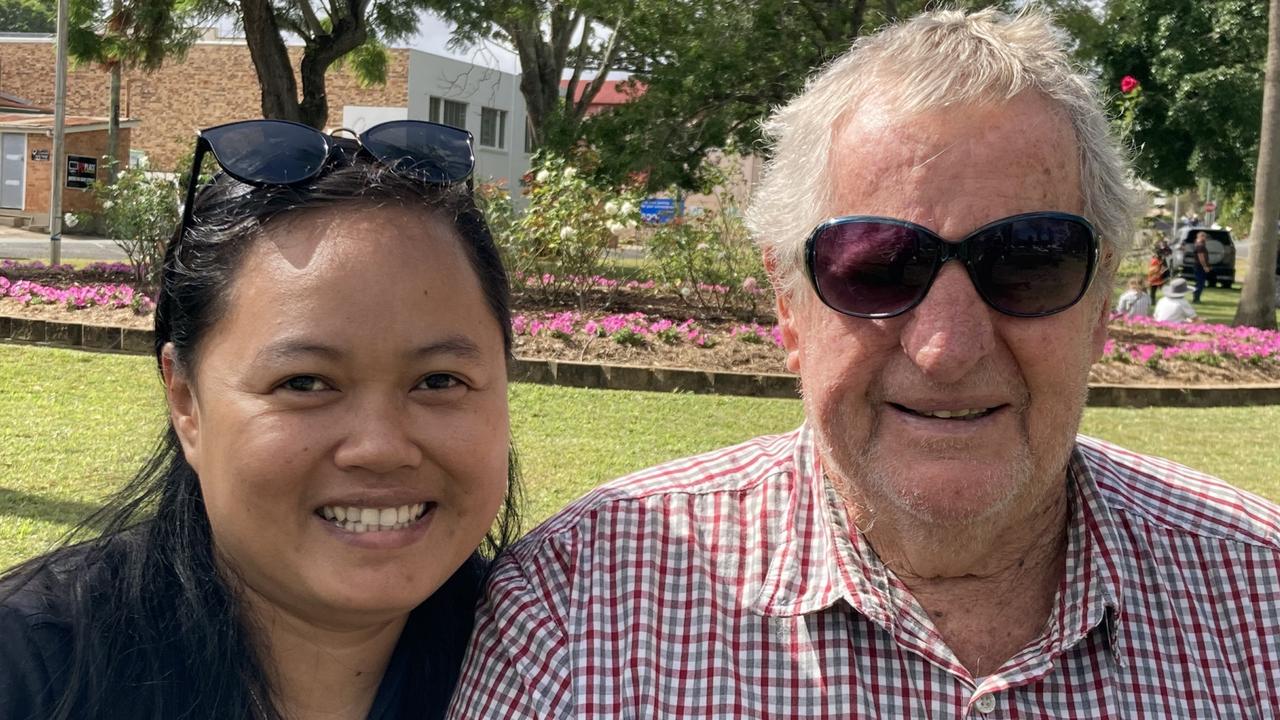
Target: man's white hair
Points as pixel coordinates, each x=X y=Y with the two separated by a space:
x=937 y=59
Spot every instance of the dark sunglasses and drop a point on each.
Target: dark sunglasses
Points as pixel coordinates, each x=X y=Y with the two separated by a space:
x=280 y=152
x=1029 y=265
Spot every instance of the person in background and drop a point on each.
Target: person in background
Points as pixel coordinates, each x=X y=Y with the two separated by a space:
x=309 y=537
x=1133 y=302
x=1204 y=270
x=1173 y=307
x=1158 y=268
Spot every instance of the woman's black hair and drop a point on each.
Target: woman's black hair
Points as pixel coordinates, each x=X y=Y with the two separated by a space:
x=158 y=632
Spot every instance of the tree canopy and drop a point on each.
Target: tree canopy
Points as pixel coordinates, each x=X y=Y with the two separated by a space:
x=1200 y=64
x=712 y=69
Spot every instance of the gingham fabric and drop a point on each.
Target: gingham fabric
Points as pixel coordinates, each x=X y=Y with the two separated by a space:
x=729 y=585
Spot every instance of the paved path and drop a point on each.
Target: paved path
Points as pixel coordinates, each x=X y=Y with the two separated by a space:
x=18 y=244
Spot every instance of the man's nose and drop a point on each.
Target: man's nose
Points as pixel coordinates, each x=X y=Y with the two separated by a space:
x=378 y=437
x=951 y=330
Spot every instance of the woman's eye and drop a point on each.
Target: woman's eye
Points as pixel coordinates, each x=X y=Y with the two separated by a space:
x=440 y=381
x=305 y=383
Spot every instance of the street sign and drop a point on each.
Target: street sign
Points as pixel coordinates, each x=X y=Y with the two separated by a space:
x=81 y=171
x=658 y=210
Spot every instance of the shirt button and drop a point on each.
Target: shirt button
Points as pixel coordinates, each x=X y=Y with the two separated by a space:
x=986 y=703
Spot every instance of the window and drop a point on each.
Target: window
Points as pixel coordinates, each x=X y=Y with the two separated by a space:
x=448 y=112
x=493 y=128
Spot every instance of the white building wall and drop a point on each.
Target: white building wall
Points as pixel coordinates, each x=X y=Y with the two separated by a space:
x=479 y=87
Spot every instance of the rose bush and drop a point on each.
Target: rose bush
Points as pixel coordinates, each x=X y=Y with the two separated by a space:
x=563 y=237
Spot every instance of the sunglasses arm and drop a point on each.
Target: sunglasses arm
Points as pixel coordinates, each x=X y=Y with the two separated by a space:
x=202 y=146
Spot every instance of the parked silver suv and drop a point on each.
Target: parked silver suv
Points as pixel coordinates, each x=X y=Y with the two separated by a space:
x=1222 y=254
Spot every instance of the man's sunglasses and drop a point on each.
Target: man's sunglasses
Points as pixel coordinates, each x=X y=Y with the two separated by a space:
x=280 y=152
x=1029 y=265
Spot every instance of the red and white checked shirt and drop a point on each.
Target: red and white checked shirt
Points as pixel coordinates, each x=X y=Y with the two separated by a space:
x=729 y=585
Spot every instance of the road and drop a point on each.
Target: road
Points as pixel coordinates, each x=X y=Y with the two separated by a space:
x=16 y=244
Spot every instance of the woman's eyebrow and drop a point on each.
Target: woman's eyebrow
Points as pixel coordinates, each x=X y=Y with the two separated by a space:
x=287 y=349
x=459 y=345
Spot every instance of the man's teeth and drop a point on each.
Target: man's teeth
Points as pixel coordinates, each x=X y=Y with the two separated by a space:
x=949 y=414
x=366 y=519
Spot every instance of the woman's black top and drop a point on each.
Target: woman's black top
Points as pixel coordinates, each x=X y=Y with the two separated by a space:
x=36 y=634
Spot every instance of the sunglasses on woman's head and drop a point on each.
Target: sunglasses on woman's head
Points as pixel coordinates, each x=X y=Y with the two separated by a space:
x=1029 y=265
x=280 y=152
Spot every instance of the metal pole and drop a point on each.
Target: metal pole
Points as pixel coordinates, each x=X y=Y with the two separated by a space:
x=59 y=133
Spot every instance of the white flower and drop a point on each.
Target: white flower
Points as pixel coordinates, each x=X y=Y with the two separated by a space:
x=627 y=208
x=566 y=232
x=611 y=207
x=543 y=175
x=616 y=227
x=702 y=247
x=108 y=204
x=70 y=220
x=570 y=171
x=631 y=224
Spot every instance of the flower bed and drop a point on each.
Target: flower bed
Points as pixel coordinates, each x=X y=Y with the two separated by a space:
x=1204 y=343
x=76 y=296
x=665 y=333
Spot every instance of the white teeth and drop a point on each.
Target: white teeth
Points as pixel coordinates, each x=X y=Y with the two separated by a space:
x=946 y=414
x=361 y=520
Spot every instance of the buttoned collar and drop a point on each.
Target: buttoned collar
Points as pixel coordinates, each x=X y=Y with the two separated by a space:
x=821 y=559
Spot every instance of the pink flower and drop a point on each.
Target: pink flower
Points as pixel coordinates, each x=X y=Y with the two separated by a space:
x=1128 y=84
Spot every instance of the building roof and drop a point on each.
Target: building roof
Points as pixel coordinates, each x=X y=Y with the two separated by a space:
x=9 y=101
x=42 y=123
x=613 y=92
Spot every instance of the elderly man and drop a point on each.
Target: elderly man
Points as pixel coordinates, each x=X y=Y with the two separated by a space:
x=935 y=541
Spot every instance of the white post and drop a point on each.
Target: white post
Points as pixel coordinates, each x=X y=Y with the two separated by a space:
x=59 y=133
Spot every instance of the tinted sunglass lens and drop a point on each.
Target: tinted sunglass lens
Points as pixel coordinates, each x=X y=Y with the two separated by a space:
x=273 y=152
x=871 y=268
x=1033 y=266
x=428 y=151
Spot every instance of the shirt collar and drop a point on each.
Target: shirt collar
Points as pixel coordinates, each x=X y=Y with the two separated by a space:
x=818 y=561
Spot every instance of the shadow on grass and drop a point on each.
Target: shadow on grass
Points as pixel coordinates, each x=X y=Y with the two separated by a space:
x=38 y=507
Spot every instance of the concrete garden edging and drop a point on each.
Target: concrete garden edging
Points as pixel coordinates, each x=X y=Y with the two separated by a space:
x=654 y=379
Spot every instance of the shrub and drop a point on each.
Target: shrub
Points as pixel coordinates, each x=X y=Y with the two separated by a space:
x=562 y=239
x=139 y=213
x=709 y=256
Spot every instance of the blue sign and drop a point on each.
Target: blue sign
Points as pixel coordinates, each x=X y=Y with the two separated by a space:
x=658 y=210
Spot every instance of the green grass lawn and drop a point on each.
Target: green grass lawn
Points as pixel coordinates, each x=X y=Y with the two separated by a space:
x=73 y=425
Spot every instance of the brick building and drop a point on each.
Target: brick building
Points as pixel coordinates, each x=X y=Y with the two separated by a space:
x=26 y=165
x=216 y=83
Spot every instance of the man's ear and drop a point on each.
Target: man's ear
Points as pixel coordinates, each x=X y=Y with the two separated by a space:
x=785 y=305
x=184 y=410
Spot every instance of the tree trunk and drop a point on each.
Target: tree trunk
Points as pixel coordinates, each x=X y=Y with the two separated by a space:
x=113 y=125
x=271 y=61
x=322 y=51
x=1258 y=295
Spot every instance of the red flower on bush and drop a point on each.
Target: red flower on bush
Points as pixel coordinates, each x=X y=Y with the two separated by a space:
x=1128 y=84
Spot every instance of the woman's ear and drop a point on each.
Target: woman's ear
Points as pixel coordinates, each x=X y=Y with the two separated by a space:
x=184 y=410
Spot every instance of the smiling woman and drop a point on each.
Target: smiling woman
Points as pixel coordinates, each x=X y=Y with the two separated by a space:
x=309 y=537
